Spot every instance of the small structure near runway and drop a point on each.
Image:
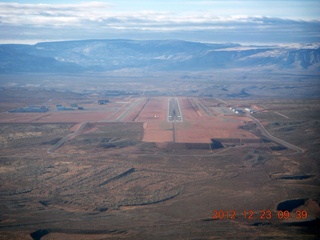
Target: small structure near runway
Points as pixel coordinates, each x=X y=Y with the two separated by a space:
x=250 y=110
x=30 y=109
x=63 y=108
x=102 y=102
x=237 y=110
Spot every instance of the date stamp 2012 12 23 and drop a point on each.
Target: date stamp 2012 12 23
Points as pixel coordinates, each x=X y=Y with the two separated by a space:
x=261 y=214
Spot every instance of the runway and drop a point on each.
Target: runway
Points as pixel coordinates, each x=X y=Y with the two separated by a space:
x=174 y=111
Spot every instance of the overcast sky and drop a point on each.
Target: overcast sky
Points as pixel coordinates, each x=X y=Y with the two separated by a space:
x=245 y=21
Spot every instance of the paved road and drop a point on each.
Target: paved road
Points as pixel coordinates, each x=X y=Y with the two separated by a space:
x=269 y=136
x=275 y=139
x=66 y=138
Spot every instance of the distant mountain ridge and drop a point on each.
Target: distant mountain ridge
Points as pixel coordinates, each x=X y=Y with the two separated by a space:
x=106 y=55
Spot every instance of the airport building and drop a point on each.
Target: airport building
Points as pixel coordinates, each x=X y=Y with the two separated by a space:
x=250 y=110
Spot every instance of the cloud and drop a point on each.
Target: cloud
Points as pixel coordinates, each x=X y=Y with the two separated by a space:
x=101 y=20
x=51 y=14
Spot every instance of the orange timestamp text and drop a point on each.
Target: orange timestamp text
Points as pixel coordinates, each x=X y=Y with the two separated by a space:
x=261 y=214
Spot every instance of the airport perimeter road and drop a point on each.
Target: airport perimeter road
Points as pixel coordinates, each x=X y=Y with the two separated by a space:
x=174 y=111
x=66 y=138
x=275 y=139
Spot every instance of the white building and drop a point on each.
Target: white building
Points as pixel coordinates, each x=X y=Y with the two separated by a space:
x=250 y=110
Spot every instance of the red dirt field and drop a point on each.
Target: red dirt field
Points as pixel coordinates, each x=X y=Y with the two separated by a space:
x=188 y=111
x=200 y=129
x=197 y=125
x=195 y=128
x=155 y=132
x=156 y=129
x=155 y=110
x=194 y=104
x=55 y=117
